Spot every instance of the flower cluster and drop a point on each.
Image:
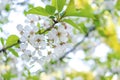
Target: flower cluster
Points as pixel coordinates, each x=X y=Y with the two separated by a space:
x=37 y=47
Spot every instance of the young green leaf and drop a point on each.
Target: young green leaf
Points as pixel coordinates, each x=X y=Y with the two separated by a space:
x=117 y=6
x=54 y=3
x=83 y=27
x=60 y=4
x=115 y=55
x=50 y=9
x=13 y=52
x=1 y=30
x=2 y=40
x=30 y=6
x=72 y=11
x=69 y=21
x=38 y=10
x=8 y=75
x=12 y=39
x=7 y=7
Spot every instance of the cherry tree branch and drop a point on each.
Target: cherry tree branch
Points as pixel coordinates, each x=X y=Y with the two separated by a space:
x=76 y=45
x=4 y=49
x=48 y=29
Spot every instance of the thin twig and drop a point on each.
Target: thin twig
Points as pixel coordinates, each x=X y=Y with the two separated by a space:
x=48 y=29
x=76 y=45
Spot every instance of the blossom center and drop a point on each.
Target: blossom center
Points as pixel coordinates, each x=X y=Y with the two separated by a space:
x=38 y=40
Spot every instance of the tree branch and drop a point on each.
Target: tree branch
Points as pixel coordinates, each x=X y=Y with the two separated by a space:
x=76 y=45
x=48 y=29
x=4 y=49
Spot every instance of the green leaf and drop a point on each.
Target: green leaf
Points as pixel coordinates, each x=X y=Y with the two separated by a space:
x=11 y=40
x=83 y=27
x=25 y=12
x=38 y=25
x=34 y=77
x=60 y=5
x=69 y=21
x=30 y=6
x=117 y=6
x=38 y=10
x=72 y=11
x=70 y=8
x=115 y=55
x=2 y=41
x=8 y=75
x=7 y=7
x=13 y=52
x=52 y=17
x=50 y=9
x=1 y=30
x=54 y=3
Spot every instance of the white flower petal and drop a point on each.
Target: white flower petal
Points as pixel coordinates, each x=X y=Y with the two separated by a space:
x=23 y=46
x=19 y=27
x=23 y=39
x=39 y=53
x=35 y=29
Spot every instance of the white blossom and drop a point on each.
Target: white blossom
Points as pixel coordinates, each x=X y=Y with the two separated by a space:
x=38 y=41
x=22 y=47
x=30 y=30
x=58 y=35
x=27 y=55
x=42 y=60
x=32 y=19
x=20 y=28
